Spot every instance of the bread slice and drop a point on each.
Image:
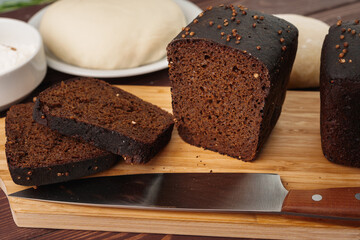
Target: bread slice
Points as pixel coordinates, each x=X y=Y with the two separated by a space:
x=105 y=116
x=38 y=156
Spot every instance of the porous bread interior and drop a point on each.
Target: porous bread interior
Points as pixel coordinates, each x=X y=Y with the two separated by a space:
x=218 y=96
x=30 y=144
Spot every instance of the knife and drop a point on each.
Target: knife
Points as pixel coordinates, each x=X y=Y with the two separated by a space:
x=203 y=192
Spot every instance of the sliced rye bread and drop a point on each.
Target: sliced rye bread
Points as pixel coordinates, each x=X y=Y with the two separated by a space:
x=37 y=155
x=105 y=116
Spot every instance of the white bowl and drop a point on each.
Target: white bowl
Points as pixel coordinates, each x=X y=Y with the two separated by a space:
x=19 y=81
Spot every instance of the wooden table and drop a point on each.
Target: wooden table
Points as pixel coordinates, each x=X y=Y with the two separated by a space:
x=327 y=10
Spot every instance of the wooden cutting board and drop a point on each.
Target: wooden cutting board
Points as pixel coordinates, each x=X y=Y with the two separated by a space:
x=293 y=151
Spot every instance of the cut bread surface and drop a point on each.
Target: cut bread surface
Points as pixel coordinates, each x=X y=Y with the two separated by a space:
x=105 y=116
x=220 y=100
x=37 y=155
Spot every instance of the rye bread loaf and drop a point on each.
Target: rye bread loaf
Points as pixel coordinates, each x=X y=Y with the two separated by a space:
x=340 y=94
x=228 y=70
x=37 y=155
x=105 y=116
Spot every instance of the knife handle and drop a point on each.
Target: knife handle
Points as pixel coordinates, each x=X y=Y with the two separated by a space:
x=331 y=202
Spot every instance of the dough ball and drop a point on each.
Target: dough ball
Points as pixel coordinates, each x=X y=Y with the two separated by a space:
x=306 y=69
x=110 y=34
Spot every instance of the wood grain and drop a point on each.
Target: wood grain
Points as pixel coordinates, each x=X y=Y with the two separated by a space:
x=332 y=202
x=293 y=151
x=304 y=7
x=321 y=9
x=346 y=13
x=8 y=229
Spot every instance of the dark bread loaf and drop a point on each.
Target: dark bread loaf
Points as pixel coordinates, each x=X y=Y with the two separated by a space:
x=340 y=94
x=38 y=156
x=229 y=69
x=105 y=116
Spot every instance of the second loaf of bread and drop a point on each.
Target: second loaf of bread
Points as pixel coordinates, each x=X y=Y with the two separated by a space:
x=340 y=93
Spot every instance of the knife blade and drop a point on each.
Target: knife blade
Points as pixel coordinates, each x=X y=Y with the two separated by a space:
x=202 y=192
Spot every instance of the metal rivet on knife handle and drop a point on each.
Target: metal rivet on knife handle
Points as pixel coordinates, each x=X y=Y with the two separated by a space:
x=335 y=202
x=357 y=196
x=316 y=197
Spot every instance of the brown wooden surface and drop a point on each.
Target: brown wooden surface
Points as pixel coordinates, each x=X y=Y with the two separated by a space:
x=326 y=10
x=339 y=202
x=293 y=151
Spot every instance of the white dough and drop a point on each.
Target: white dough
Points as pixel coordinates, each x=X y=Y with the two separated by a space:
x=306 y=69
x=110 y=34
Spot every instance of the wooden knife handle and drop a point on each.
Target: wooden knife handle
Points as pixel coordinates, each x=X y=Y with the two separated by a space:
x=332 y=202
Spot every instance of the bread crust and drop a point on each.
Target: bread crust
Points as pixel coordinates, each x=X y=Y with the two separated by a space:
x=340 y=93
x=28 y=166
x=230 y=61
x=132 y=148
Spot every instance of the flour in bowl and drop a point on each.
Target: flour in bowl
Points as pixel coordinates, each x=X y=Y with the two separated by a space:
x=14 y=55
